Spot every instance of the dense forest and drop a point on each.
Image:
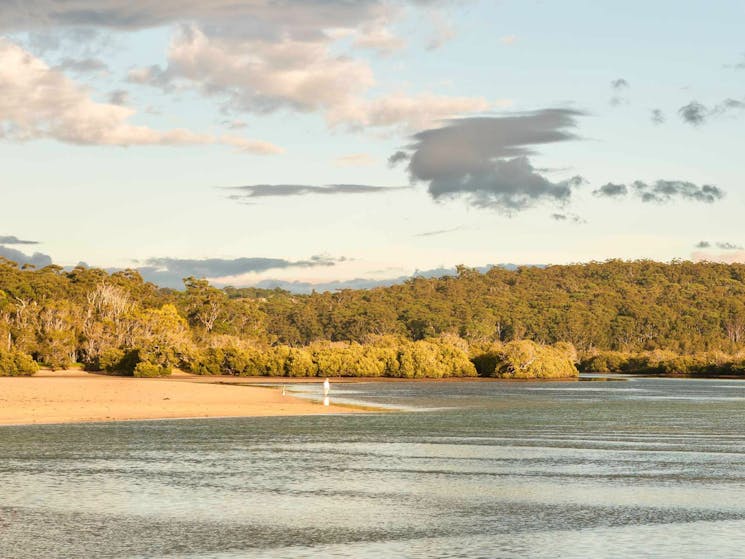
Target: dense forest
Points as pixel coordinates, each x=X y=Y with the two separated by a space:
x=612 y=316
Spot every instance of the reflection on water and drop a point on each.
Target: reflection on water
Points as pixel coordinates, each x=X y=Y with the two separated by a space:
x=648 y=467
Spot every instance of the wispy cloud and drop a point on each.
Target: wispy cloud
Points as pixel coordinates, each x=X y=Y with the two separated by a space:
x=440 y=232
x=13 y=240
x=283 y=190
x=355 y=160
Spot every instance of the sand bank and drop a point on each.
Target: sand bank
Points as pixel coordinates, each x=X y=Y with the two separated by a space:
x=74 y=396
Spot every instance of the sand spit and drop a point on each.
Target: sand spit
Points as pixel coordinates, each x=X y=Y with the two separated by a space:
x=75 y=396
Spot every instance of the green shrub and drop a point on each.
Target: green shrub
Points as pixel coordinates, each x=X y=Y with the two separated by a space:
x=525 y=359
x=118 y=361
x=16 y=364
x=144 y=369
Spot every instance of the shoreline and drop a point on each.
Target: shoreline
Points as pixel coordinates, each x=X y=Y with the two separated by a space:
x=77 y=397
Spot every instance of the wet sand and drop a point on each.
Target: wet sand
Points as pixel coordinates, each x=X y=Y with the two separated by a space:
x=75 y=396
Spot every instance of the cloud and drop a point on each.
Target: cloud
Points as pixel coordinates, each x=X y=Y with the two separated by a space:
x=82 y=66
x=412 y=112
x=367 y=283
x=355 y=160
x=729 y=246
x=40 y=102
x=235 y=124
x=379 y=38
x=247 y=145
x=666 y=191
x=282 y=190
x=13 y=240
x=36 y=259
x=618 y=86
x=258 y=76
x=574 y=218
x=663 y=191
x=696 y=113
x=171 y=271
x=304 y=18
x=693 y=113
x=443 y=31
x=119 y=97
x=484 y=159
x=264 y=56
x=611 y=190
x=658 y=117
x=439 y=232
x=738 y=65
x=720 y=245
x=398 y=157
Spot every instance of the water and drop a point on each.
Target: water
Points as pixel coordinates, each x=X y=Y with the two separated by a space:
x=645 y=467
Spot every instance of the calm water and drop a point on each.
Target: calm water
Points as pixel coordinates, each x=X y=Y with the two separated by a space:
x=646 y=467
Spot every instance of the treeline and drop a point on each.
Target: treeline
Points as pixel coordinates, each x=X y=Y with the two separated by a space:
x=475 y=323
x=661 y=362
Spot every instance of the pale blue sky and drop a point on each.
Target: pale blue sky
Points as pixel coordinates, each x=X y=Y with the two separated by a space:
x=110 y=205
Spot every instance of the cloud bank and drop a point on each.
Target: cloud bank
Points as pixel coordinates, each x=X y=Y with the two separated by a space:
x=169 y=272
x=36 y=259
x=38 y=102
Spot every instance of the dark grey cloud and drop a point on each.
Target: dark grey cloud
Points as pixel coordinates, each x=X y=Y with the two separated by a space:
x=696 y=113
x=82 y=65
x=119 y=97
x=658 y=117
x=169 y=272
x=304 y=19
x=703 y=244
x=611 y=190
x=484 y=159
x=36 y=259
x=397 y=158
x=13 y=240
x=567 y=217
x=666 y=191
x=619 y=86
x=509 y=185
x=663 y=191
x=267 y=190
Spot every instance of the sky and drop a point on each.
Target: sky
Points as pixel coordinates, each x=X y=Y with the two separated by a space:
x=333 y=143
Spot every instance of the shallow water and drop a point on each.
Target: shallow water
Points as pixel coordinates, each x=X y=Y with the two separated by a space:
x=645 y=467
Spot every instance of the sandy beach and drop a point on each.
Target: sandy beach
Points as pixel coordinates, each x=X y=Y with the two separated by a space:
x=75 y=396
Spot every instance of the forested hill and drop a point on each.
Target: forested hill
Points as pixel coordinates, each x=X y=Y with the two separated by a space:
x=629 y=306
